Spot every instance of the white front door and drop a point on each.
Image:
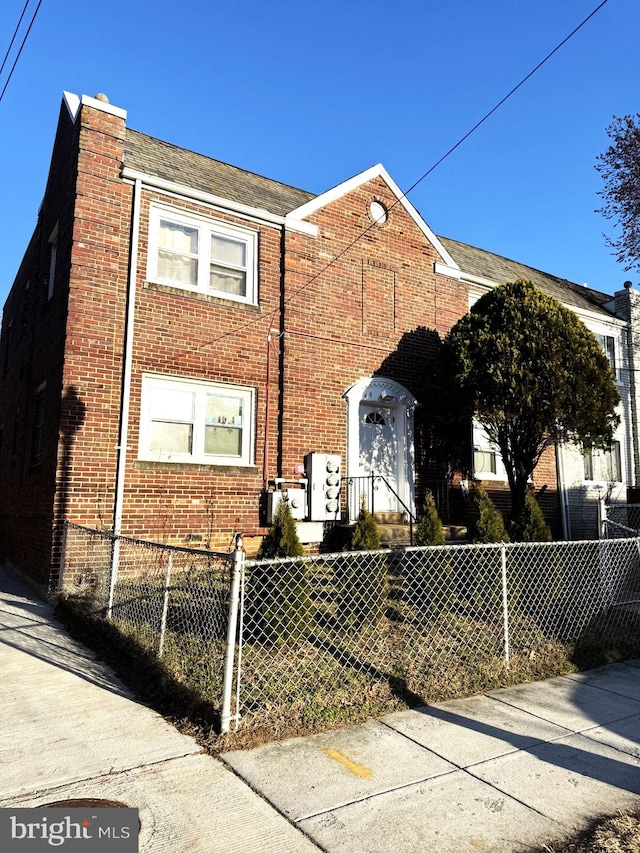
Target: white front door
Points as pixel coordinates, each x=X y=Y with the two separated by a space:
x=380 y=441
x=381 y=434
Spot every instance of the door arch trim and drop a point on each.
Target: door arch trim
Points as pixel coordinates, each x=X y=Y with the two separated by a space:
x=378 y=390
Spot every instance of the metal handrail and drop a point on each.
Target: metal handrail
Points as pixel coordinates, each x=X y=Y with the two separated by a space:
x=373 y=478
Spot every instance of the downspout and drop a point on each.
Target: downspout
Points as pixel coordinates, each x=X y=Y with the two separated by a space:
x=125 y=394
x=267 y=415
x=562 y=488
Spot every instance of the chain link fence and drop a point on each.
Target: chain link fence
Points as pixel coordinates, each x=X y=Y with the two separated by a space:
x=322 y=632
x=317 y=636
x=174 y=602
x=620 y=520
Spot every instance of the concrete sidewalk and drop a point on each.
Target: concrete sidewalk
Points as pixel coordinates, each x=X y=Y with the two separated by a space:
x=502 y=772
x=70 y=730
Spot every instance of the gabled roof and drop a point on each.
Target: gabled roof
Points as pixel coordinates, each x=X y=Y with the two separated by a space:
x=377 y=171
x=181 y=166
x=499 y=270
x=171 y=163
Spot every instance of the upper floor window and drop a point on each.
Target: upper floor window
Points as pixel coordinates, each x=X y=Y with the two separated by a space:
x=202 y=255
x=53 y=256
x=184 y=420
x=608 y=346
x=604 y=466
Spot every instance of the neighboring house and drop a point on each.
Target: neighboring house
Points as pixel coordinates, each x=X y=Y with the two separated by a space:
x=582 y=478
x=183 y=337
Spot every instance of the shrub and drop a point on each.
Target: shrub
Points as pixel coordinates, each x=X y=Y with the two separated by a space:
x=282 y=540
x=429 y=528
x=432 y=586
x=280 y=606
x=366 y=536
x=530 y=525
x=490 y=525
x=361 y=581
x=280 y=603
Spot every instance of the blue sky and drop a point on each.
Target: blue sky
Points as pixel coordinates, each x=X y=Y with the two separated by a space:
x=311 y=93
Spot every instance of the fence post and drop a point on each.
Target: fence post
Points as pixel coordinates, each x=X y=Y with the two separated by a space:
x=165 y=604
x=237 y=567
x=602 y=519
x=373 y=489
x=113 y=573
x=505 y=601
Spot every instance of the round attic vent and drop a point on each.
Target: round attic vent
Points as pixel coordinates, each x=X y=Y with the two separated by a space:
x=378 y=212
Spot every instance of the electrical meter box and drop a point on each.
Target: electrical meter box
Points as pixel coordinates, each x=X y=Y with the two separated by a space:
x=296 y=498
x=324 y=475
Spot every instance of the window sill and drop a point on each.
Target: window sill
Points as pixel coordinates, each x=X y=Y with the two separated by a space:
x=198 y=296
x=235 y=470
x=490 y=478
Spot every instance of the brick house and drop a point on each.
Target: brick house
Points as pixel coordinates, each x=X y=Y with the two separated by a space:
x=183 y=337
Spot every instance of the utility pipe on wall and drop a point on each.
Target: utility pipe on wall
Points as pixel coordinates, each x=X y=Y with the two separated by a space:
x=125 y=394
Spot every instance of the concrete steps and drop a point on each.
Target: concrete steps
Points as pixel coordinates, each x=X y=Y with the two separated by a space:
x=394 y=533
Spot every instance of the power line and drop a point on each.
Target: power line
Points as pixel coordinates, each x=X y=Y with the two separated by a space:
x=438 y=162
x=13 y=37
x=26 y=36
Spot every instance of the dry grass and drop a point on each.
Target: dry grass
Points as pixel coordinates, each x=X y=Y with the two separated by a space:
x=619 y=834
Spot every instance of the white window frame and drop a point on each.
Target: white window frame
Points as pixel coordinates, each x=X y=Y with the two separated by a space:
x=483 y=444
x=53 y=256
x=594 y=455
x=205 y=228
x=199 y=389
x=603 y=337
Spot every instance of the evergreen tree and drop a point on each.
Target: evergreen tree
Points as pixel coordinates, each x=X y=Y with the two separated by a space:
x=490 y=525
x=531 y=526
x=429 y=530
x=282 y=540
x=279 y=594
x=530 y=372
x=361 y=580
x=366 y=536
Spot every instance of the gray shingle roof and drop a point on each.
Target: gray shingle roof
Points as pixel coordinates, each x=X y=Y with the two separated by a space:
x=502 y=270
x=163 y=160
x=169 y=162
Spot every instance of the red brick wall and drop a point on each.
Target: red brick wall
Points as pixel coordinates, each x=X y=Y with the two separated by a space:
x=195 y=337
x=35 y=357
x=379 y=309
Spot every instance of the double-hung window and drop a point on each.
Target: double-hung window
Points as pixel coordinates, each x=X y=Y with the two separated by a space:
x=185 y=420
x=608 y=346
x=604 y=466
x=202 y=255
x=487 y=462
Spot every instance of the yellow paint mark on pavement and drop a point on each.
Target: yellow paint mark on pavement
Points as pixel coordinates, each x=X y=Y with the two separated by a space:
x=353 y=766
